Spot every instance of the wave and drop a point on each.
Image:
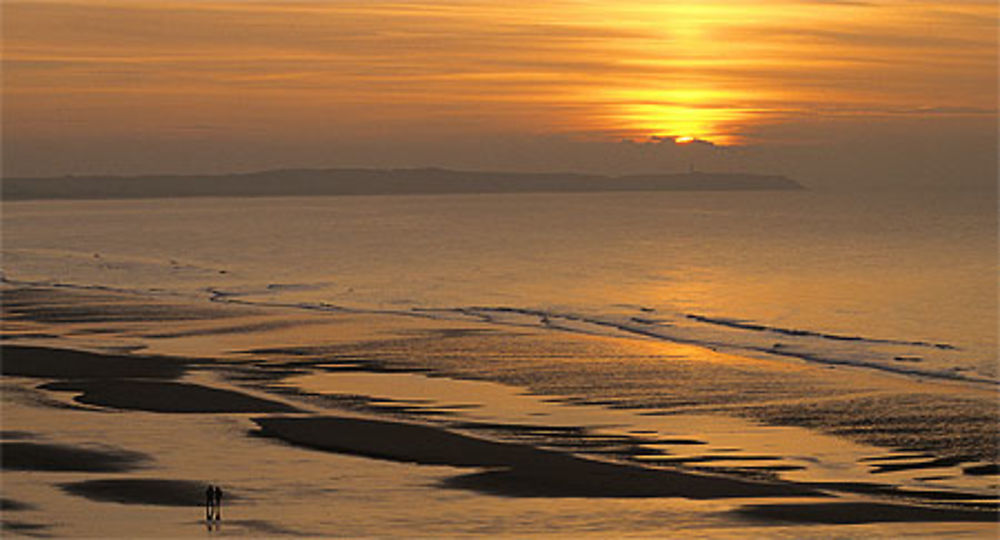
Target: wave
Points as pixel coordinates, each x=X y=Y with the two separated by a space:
x=729 y=335
x=665 y=331
x=6 y=280
x=744 y=325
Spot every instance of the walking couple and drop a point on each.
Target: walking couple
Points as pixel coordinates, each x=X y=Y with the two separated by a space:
x=213 y=503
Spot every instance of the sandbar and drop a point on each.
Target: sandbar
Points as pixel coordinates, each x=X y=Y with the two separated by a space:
x=151 y=491
x=165 y=397
x=31 y=456
x=12 y=505
x=517 y=470
x=49 y=363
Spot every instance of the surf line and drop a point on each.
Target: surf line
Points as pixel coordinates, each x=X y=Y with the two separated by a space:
x=805 y=356
x=546 y=321
x=744 y=325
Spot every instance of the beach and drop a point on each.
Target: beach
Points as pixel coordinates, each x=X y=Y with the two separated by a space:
x=360 y=424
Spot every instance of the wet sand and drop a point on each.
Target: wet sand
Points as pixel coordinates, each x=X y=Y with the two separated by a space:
x=848 y=513
x=506 y=469
x=153 y=385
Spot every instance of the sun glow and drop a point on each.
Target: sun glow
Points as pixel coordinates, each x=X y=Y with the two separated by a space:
x=728 y=72
x=682 y=115
x=718 y=125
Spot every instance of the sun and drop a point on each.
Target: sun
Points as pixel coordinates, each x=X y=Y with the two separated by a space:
x=683 y=117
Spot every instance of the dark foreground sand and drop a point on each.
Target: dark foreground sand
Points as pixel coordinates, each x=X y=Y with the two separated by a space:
x=520 y=470
x=128 y=382
x=165 y=397
x=30 y=456
x=523 y=471
x=12 y=505
x=155 y=491
x=65 y=364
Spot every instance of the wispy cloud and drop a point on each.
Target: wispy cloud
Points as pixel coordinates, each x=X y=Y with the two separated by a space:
x=713 y=70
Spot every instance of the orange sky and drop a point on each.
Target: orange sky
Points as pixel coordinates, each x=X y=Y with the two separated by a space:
x=318 y=74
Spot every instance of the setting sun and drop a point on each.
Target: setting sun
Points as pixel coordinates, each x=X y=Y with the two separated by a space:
x=726 y=72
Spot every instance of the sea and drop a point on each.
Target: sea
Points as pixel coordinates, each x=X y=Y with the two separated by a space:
x=901 y=282
x=868 y=286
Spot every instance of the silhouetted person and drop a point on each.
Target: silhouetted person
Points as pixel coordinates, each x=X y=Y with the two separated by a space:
x=218 y=502
x=209 y=502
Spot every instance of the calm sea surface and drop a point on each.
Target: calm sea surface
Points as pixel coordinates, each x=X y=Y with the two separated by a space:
x=904 y=283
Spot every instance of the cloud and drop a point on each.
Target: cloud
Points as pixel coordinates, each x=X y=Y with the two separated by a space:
x=401 y=72
x=673 y=141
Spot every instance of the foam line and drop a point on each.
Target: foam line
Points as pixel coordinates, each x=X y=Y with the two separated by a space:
x=646 y=328
x=743 y=325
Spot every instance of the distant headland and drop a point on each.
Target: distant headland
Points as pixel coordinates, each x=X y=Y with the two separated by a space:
x=425 y=181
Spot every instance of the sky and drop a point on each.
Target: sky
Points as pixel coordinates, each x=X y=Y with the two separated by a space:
x=830 y=92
